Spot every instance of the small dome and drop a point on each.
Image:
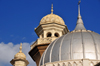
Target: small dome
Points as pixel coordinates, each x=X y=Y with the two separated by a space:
x=20 y=54
x=52 y=18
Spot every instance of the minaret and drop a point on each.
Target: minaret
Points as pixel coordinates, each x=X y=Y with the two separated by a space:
x=19 y=58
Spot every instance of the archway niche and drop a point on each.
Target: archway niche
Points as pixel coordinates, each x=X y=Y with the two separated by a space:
x=56 y=35
x=49 y=34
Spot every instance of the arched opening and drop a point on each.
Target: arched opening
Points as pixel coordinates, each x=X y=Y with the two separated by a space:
x=56 y=35
x=49 y=34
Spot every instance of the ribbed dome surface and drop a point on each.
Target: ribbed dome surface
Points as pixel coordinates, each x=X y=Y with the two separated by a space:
x=52 y=18
x=74 y=45
x=20 y=55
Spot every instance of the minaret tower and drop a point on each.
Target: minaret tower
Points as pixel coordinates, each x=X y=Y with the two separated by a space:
x=50 y=28
x=19 y=59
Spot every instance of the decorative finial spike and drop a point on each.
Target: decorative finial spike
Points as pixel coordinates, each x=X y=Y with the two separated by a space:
x=79 y=15
x=79 y=2
x=79 y=25
x=20 y=47
x=52 y=9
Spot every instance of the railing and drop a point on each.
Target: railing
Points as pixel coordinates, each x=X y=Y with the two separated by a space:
x=81 y=62
x=43 y=41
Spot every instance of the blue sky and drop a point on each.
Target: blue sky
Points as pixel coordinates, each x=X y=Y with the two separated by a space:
x=18 y=18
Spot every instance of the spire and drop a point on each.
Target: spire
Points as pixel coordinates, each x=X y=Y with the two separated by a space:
x=52 y=9
x=79 y=25
x=79 y=15
x=20 y=47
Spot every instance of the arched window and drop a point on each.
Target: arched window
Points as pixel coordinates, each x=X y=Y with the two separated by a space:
x=49 y=34
x=56 y=35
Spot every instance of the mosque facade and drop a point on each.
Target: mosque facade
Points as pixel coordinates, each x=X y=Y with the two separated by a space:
x=57 y=46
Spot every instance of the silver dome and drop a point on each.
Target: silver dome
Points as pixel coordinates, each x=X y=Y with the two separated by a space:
x=75 y=45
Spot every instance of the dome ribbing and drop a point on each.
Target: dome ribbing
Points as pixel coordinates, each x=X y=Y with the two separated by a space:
x=20 y=54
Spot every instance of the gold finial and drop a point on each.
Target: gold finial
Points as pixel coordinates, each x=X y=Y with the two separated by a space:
x=52 y=9
x=20 y=47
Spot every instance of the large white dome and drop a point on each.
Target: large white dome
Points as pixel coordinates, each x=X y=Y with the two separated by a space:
x=80 y=44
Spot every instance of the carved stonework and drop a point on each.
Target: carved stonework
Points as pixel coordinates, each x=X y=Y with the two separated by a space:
x=77 y=62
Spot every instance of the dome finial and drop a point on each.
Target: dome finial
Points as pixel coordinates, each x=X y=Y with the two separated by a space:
x=79 y=25
x=20 y=47
x=52 y=9
x=79 y=15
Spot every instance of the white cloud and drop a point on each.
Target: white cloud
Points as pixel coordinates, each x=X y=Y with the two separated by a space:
x=7 y=52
